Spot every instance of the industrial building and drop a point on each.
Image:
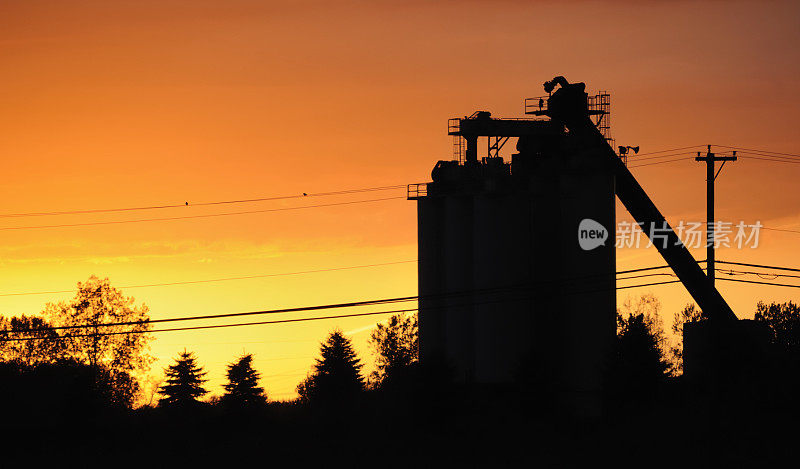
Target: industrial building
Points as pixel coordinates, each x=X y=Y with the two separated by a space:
x=516 y=255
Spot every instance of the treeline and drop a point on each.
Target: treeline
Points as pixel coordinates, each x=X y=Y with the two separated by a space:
x=640 y=326
x=98 y=342
x=68 y=392
x=93 y=351
x=335 y=379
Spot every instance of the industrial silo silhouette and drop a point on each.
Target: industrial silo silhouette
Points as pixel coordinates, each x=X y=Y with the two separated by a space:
x=517 y=262
x=503 y=278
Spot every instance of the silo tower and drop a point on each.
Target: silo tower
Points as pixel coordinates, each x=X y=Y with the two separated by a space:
x=507 y=284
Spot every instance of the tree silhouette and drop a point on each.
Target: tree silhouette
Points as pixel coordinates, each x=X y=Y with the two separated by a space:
x=118 y=352
x=783 y=320
x=649 y=307
x=689 y=313
x=242 y=388
x=639 y=364
x=336 y=375
x=184 y=382
x=42 y=344
x=396 y=345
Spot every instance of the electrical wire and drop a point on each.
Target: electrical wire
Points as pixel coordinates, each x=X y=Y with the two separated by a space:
x=670 y=150
x=773 y=267
x=794 y=155
x=296 y=310
x=777 y=157
x=382 y=301
x=202 y=204
x=780 y=229
x=224 y=214
x=636 y=158
x=291 y=320
x=657 y=162
x=770 y=159
x=763 y=275
x=758 y=282
x=247 y=277
x=645 y=285
x=225 y=279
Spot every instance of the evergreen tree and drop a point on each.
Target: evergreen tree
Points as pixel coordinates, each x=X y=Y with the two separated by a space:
x=337 y=373
x=184 y=382
x=242 y=388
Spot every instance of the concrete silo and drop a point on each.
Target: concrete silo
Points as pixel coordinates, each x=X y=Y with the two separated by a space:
x=506 y=289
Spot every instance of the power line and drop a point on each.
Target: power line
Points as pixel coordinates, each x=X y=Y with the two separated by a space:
x=670 y=150
x=213 y=326
x=658 y=162
x=763 y=155
x=231 y=315
x=317 y=307
x=673 y=152
x=759 y=283
x=769 y=159
x=759 y=150
x=763 y=275
x=224 y=214
x=777 y=157
x=295 y=310
x=773 y=267
x=780 y=229
x=225 y=279
x=636 y=159
x=644 y=285
x=217 y=326
x=647 y=275
x=202 y=204
x=772 y=275
x=248 y=277
x=290 y=320
x=352 y=304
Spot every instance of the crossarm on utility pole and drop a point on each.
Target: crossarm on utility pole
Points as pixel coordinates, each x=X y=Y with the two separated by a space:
x=710 y=159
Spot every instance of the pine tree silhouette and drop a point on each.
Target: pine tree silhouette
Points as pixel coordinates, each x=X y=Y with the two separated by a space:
x=242 y=388
x=184 y=383
x=337 y=373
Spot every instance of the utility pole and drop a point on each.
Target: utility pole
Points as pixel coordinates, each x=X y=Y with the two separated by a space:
x=710 y=158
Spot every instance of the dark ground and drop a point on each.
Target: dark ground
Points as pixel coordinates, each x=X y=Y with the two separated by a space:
x=445 y=428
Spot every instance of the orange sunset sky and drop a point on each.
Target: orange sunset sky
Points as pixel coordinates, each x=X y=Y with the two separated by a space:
x=111 y=104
